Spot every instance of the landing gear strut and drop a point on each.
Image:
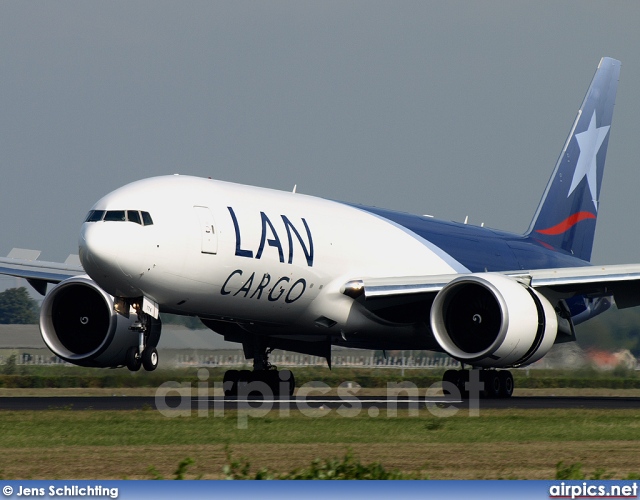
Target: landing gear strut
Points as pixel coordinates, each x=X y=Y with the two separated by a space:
x=497 y=383
x=264 y=381
x=144 y=354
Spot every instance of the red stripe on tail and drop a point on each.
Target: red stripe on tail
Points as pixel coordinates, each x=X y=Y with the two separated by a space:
x=566 y=224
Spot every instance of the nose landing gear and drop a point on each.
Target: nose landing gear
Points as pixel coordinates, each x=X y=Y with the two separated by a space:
x=145 y=353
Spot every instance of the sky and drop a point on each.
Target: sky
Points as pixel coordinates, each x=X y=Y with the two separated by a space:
x=452 y=109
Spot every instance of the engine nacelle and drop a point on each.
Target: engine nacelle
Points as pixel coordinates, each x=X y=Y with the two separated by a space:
x=491 y=320
x=78 y=322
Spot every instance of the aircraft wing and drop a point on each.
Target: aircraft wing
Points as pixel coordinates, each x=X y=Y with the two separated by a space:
x=621 y=280
x=24 y=264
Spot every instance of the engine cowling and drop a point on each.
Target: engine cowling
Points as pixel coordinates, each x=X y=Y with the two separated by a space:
x=491 y=320
x=78 y=322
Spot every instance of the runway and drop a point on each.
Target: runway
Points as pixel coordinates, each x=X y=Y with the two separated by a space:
x=371 y=404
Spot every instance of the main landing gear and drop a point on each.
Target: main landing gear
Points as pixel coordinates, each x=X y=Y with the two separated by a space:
x=265 y=381
x=496 y=383
x=143 y=354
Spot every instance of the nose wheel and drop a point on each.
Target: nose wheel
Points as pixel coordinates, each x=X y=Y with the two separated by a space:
x=134 y=361
x=142 y=355
x=148 y=360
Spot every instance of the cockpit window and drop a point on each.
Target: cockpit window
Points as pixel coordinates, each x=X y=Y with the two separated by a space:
x=94 y=216
x=134 y=216
x=142 y=218
x=115 y=215
x=146 y=217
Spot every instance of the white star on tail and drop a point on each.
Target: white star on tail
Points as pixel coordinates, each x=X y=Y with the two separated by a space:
x=589 y=142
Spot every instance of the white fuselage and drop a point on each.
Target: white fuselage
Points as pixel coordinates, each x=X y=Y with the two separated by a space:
x=242 y=253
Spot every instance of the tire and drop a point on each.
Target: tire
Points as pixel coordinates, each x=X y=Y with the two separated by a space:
x=452 y=377
x=506 y=384
x=462 y=382
x=133 y=361
x=231 y=378
x=251 y=385
x=270 y=377
x=285 y=377
x=150 y=359
x=492 y=384
x=244 y=377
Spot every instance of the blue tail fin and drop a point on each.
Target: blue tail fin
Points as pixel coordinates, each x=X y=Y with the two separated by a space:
x=567 y=214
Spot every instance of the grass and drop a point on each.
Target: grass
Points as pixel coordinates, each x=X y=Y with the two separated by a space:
x=497 y=444
x=148 y=427
x=32 y=376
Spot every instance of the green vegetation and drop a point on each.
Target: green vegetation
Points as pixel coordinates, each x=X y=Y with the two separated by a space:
x=611 y=331
x=41 y=377
x=497 y=444
x=17 y=307
x=574 y=472
x=348 y=467
x=10 y=367
x=34 y=376
x=148 y=427
x=179 y=473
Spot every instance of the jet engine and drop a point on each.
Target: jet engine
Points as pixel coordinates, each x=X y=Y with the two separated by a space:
x=491 y=320
x=78 y=322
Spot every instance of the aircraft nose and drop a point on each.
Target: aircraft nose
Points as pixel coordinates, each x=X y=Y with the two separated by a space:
x=97 y=254
x=106 y=257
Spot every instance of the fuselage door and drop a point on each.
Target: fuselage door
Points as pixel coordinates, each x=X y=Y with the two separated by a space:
x=207 y=230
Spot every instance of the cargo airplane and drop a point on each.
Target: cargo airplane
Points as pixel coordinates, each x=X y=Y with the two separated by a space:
x=281 y=270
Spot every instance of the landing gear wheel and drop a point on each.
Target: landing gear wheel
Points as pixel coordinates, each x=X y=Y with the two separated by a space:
x=150 y=359
x=463 y=378
x=270 y=377
x=244 y=377
x=450 y=378
x=133 y=360
x=497 y=384
x=286 y=378
x=279 y=383
x=230 y=382
x=506 y=383
x=492 y=384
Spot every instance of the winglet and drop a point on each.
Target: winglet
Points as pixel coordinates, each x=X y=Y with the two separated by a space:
x=566 y=216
